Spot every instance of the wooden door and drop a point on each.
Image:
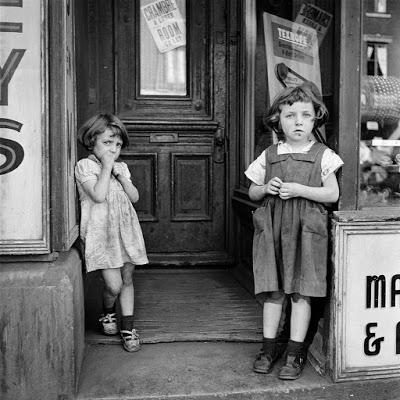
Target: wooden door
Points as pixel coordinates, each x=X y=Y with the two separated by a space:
x=177 y=153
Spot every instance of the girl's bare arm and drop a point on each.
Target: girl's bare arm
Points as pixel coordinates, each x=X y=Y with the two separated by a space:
x=258 y=192
x=97 y=189
x=129 y=188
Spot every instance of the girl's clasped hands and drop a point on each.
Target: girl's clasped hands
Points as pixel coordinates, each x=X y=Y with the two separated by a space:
x=285 y=190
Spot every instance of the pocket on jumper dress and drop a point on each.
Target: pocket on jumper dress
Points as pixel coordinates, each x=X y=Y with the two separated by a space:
x=259 y=218
x=315 y=220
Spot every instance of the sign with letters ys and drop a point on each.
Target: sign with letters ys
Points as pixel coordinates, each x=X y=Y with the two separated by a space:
x=23 y=128
x=370 y=301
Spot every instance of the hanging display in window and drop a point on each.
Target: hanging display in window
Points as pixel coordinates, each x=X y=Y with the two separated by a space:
x=293 y=56
x=315 y=18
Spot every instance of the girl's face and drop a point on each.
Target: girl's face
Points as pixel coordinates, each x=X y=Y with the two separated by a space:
x=107 y=141
x=297 y=121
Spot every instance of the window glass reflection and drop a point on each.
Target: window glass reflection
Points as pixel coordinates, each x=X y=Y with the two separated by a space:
x=291 y=42
x=380 y=109
x=380 y=6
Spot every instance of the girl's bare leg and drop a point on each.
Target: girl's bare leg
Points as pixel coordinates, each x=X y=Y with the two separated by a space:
x=129 y=337
x=272 y=311
x=296 y=354
x=126 y=297
x=300 y=317
x=113 y=285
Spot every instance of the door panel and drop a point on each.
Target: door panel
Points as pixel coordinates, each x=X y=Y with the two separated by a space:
x=191 y=180
x=143 y=167
x=182 y=199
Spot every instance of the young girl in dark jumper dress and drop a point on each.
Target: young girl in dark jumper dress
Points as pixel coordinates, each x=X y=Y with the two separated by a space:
x=294 y=178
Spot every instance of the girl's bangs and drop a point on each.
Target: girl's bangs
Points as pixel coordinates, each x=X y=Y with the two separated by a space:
x=115 y=130
x=297 y=95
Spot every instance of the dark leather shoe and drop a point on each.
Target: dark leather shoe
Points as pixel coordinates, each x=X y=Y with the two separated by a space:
x=264 y=363
x=293 y=367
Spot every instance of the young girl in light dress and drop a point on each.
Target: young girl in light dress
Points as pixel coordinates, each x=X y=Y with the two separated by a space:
x=109 y=228
x=294 y=178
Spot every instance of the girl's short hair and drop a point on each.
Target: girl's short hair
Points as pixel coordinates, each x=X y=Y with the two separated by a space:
x=307 y=93
x=97 y=125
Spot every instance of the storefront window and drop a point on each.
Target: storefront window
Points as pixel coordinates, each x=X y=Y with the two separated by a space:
x=287 y=43
x=380 y=108
x=163 y=48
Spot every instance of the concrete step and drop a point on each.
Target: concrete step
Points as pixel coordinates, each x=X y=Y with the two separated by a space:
x=207 y=371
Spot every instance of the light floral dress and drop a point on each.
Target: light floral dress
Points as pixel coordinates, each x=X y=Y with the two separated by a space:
x=110 y=230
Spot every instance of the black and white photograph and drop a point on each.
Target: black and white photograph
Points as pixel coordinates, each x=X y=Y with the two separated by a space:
x=199 y=199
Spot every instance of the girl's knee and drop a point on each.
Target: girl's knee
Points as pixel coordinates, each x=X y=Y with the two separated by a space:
x=114 y=288
x=127 y=280
x=127 y=274
x=297 y=298
x=275 y=297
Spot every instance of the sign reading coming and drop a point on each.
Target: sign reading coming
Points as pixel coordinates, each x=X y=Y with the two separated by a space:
x=23 y=128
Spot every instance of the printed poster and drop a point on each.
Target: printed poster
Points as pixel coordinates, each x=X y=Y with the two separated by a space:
x=165 y=23
x=292 y=54
x=315 y=18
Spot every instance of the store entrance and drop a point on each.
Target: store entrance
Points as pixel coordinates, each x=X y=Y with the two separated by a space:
x=179 y=104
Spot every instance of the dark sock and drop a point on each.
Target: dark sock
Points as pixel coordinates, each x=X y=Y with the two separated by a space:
x=295 y=348
x=269 y=346
x=108 y=310
x=127 y=323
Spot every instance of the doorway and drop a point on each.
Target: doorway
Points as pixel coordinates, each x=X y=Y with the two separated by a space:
x=165 y=69
x=181 y=109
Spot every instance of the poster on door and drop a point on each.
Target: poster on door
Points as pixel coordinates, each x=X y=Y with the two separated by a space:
x=165 y=23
